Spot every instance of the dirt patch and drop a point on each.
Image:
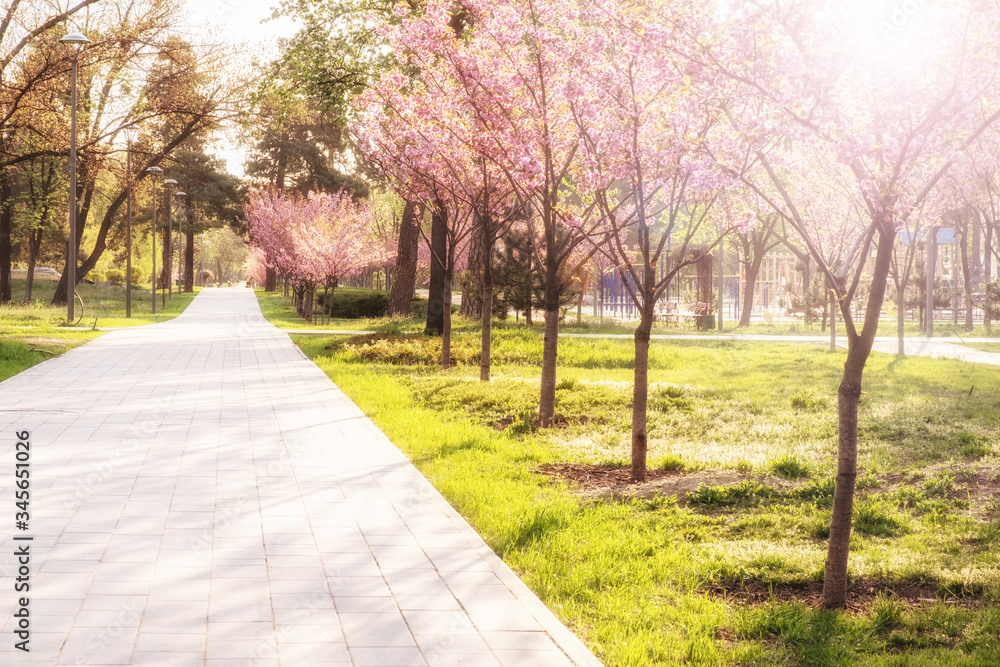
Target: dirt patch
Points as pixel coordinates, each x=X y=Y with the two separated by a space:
x=861 y=593
x=595 y=481
x=38 y=341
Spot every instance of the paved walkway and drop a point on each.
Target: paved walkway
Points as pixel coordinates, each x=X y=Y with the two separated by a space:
x=201 y=494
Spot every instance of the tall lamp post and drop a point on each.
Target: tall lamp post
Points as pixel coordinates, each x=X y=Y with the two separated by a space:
x=180 y=242
x=168 y=237
x=76 y=41
x=128 y=225
x=153 y=171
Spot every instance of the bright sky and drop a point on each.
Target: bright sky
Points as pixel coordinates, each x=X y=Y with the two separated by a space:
x=239 y=21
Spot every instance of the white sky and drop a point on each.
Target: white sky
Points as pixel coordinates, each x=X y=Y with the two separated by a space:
x=239 y=21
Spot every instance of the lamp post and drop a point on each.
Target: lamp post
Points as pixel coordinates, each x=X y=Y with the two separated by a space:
x=76 y=41
x=179 y=194
x=167 y=237
x=128 y=225
x=153 y=171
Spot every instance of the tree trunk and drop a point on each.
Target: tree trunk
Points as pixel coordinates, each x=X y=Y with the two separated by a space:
x=271 y=280
x=987 y=271
x=189 y=263
x=807 y=314
x=486 y=353
x=967 y=279
x=900 y=315
x=550 y=346
x=405 y=278
x=833 y=319
x=6 y=225
x=435 y=296
x=34 y=246
x=835 y=574
x=753 y=270
x=640 y=392
x=446 y=319
x=954 y=285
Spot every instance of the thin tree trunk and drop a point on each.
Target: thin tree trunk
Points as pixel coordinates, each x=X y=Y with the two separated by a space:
x=550 y=346
x=34 y=247
x=640 y=393
x=833 y=320
x=6 y=226
x=900 y=315
x=405 y=278
x=435 y=296
x=835 y=574
x=189 y=263
x=987 y=270
x=270 y=281
x=967 y=282
x=446 y=320
x=486 y=352
x=753 y=270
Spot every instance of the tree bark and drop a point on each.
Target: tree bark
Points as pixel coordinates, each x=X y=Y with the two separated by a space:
x=435 y=296
x=446 y=319
x=189 y=262
x=834 y=304
x=753 y=270
x=270 y=280
x=848 y=395
x=6 y=227
x=640 y=392
x=34 y=246
x=966 y=274
x=900 y=315
x=550 y=345
x=486 y=311
x=405 y=278
x=987 y=270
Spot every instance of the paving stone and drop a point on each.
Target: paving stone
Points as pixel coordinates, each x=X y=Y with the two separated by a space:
x=211 y=498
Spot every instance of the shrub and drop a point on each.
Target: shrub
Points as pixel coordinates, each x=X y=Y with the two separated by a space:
x=137 y=275
x=116 y=276
x=96 y=276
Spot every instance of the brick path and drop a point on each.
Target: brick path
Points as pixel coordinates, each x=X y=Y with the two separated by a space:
x=202 y=494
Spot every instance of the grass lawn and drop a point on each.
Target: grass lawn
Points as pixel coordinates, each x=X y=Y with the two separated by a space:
x=717 y=560
x=33 y=333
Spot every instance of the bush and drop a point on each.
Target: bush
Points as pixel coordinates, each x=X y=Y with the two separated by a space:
x=354 y=303
x=137 y=275
x=116 y=276
x=96 y=277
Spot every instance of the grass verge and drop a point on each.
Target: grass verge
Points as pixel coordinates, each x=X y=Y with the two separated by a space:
x=724 y=573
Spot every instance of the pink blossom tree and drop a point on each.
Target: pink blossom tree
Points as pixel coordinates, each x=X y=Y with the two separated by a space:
x=896 y=110
x=313 y=240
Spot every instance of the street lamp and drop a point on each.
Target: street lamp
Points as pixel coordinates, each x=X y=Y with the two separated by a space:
x=179 y=262
x=128 y=224
x=76 y=41
x=153 y=171
x=167 y=238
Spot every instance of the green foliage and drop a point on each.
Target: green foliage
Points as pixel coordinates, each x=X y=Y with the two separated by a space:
x=745 y=493
x=115 y=276
x=789 y=466
x=806 y=399
x=877 y=518
x=354 y=303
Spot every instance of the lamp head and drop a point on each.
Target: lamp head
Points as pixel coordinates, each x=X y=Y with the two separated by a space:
x=154 y=170
x=180 y=194
x=75 y=39
x=170 y=181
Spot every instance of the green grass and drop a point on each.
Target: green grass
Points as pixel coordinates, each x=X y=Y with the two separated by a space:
x=640 y=579
x=33 y=333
